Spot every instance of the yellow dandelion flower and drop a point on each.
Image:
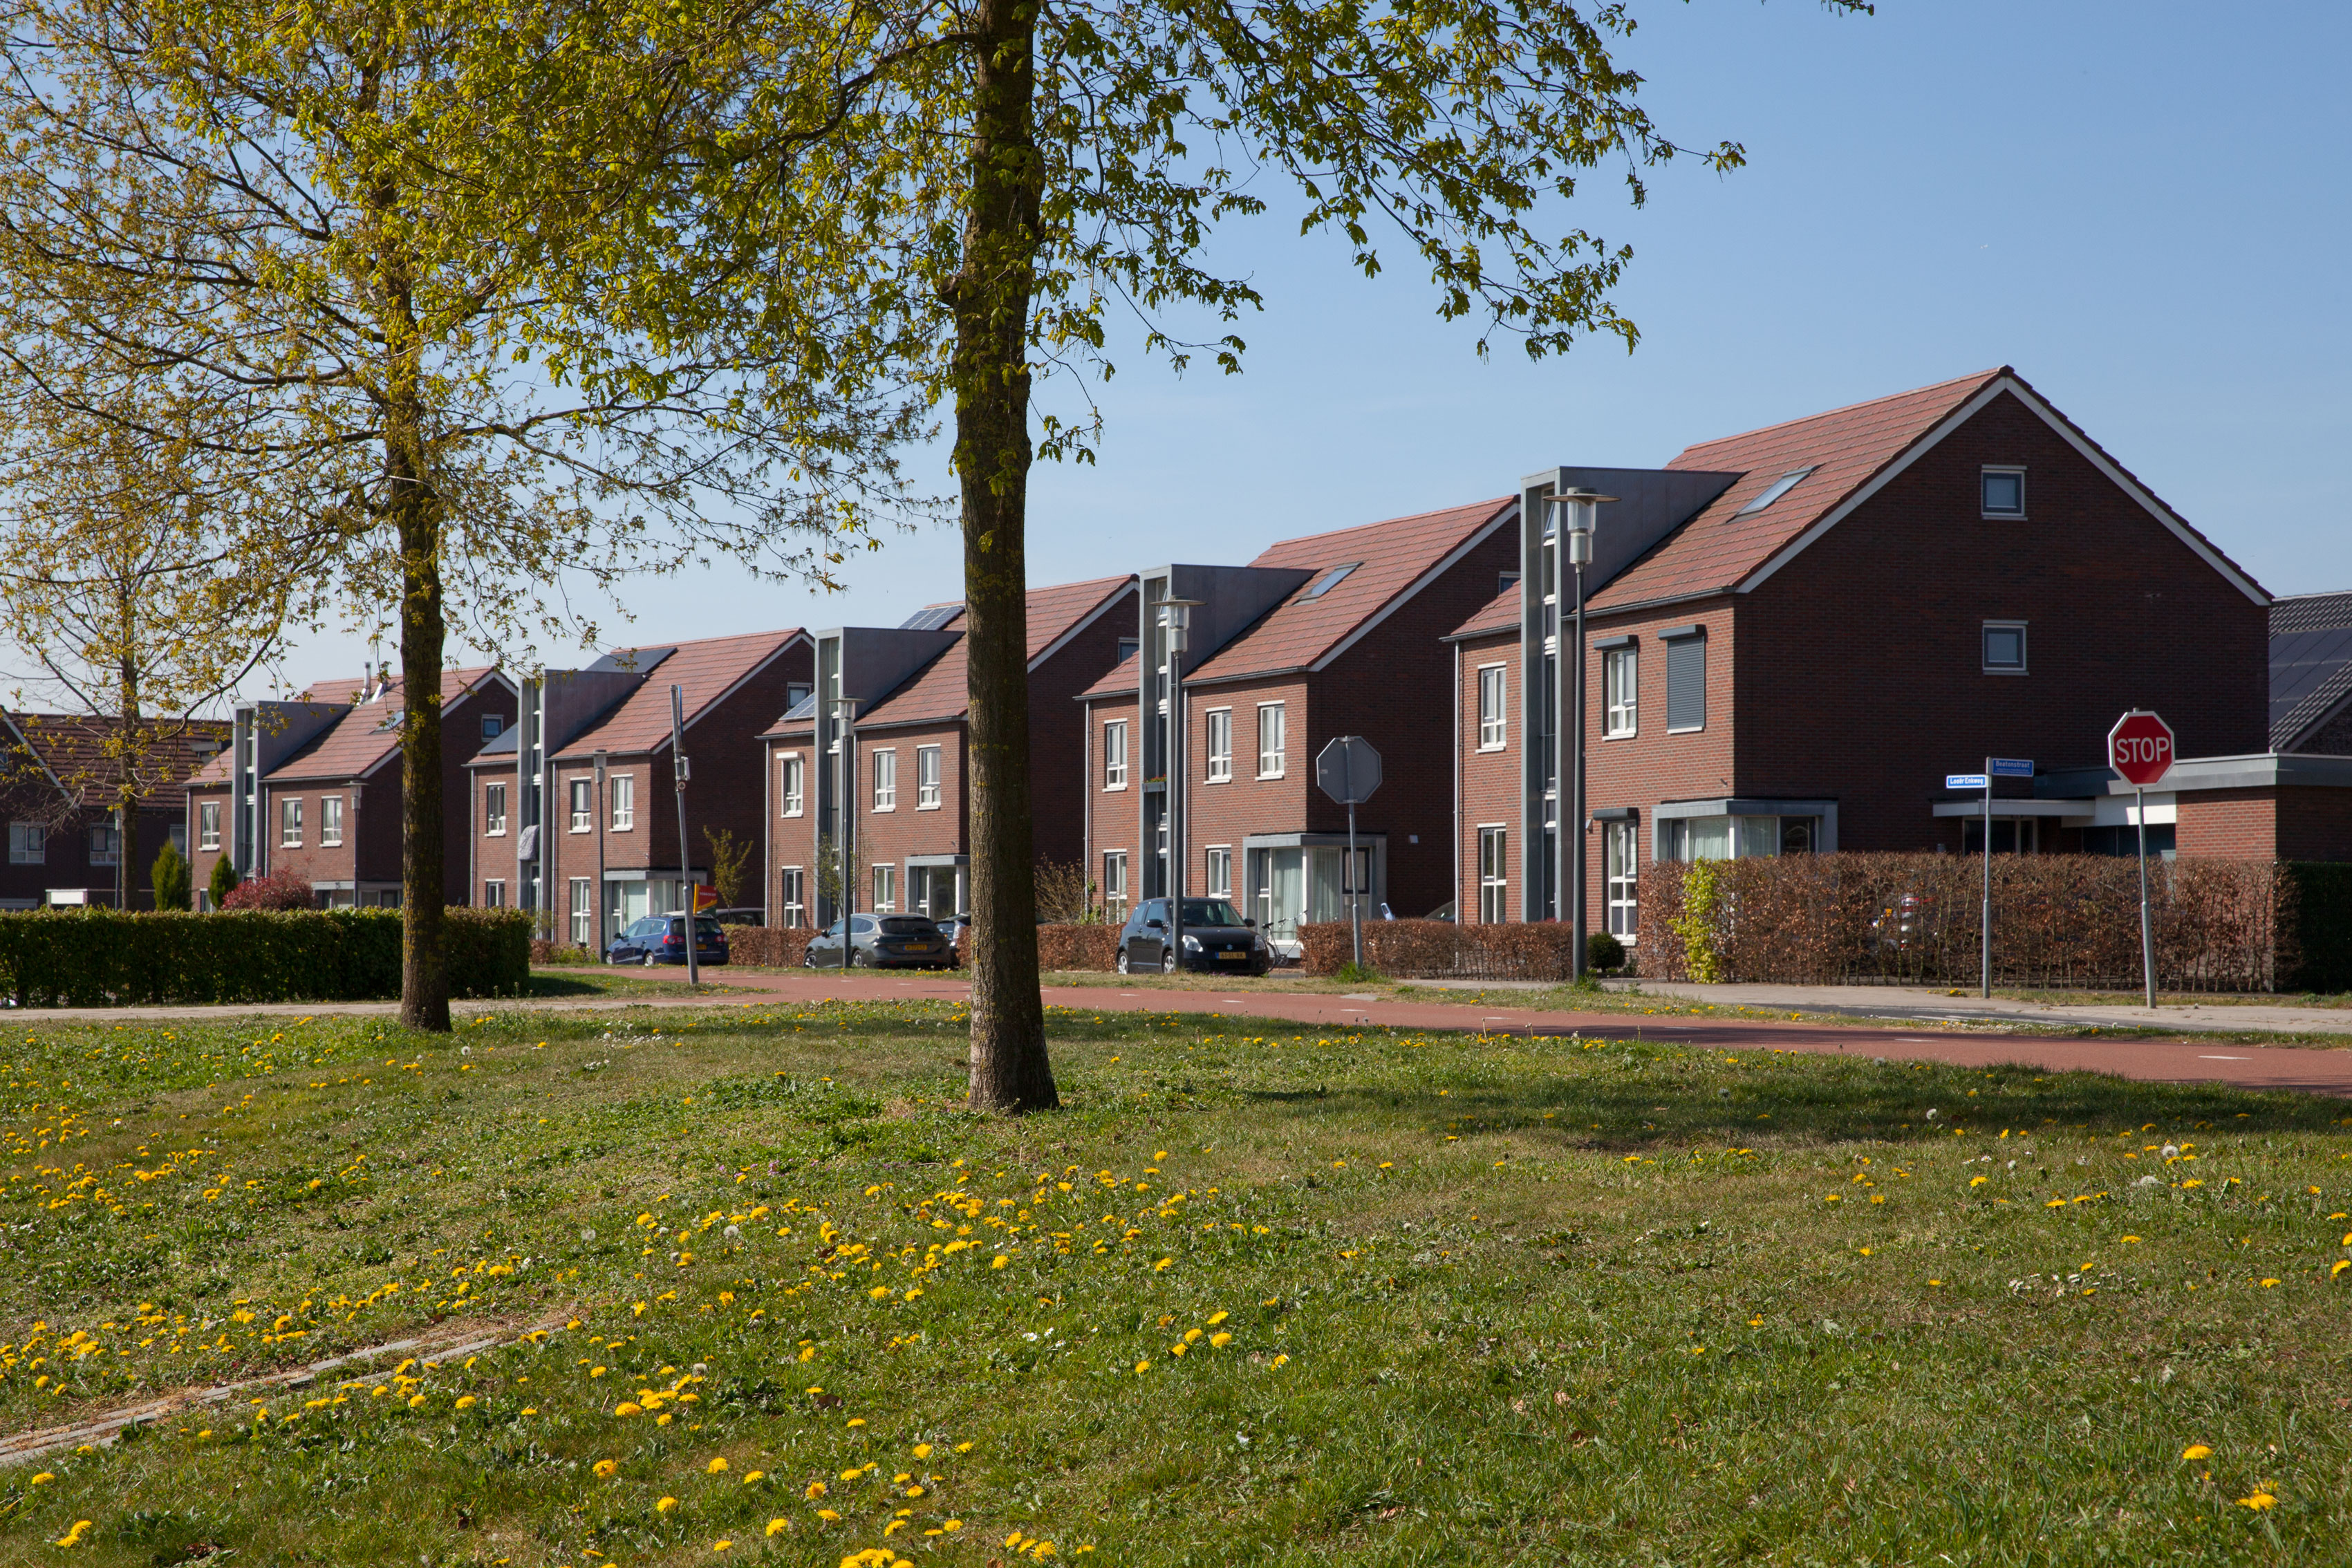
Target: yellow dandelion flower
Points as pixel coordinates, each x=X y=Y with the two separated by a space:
x=750 y=1476
x=1220 y=1342
x=666 y=1505
x=1280 y=1360
x=45 y=1478
x=950 y=1525
x=1162 y=1264
x=998 y=1261
x=414 y=1399
x=720 y=1545
x=827 y=1515
x=716 y=1468
x=1142 y=1366
x=2268 y=1283
x=778 y=1526
x=1216 y=1318
x=605 y=1466
x=628 y=1407
x=465 y=1402
x=2258 y=1503
x=80 y=1528
x=816 y=1491
x=922 y=1450
x=2196 y=1451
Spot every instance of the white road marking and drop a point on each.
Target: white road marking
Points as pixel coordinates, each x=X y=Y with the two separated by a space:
x=2225 y=1058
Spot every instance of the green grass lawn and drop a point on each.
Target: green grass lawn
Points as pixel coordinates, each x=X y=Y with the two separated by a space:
x=1254 y=1297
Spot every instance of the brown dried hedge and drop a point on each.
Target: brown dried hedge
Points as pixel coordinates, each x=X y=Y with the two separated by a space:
x=2058 y=921
x=1092 y=946
x=1440 y=949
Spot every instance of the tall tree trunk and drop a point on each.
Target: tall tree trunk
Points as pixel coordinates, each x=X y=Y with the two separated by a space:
x=990 y=296
x=126 y=795
x=423 y=965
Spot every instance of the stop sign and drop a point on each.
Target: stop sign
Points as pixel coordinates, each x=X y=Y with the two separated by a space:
x=2140 y=747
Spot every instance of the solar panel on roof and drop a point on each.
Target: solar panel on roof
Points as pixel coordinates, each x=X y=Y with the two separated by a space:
x=631 y=660
x=931 y=618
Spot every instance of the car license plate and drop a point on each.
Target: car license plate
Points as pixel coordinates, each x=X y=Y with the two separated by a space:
x=1233 y=955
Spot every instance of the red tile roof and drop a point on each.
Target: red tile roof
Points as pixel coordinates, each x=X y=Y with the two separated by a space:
x=707 y=670
x=1392 y=556
x=75 y=749
x=1845 y=447
x=364 y=738
x=1499 y=614
x=939 y=691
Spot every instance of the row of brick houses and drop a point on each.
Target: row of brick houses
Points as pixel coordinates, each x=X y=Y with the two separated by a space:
x=1791 y=636
x=59 y=774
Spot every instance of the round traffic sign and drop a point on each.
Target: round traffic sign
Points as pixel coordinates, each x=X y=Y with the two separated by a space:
x=2140 y=747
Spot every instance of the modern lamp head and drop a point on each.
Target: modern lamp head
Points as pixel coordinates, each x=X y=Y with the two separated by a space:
x=844 y=709
x=1580 y=510
x=1176 y=620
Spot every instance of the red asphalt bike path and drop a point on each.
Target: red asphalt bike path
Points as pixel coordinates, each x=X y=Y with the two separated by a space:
x=2189 y=1060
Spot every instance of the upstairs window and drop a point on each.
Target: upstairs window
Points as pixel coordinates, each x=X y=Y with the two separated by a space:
x=105 y=844
x=494 y=810
x=208 y=815
x=583 y=810
x=886 y=780
x=1685 y=684
x=2003 y=492
x=927 y=778
x=331 y=819
x=1115 y=754
x=1620 y=691
x=1272 y=744
x=28 y=843
x=289 y=824
x=1493 y=693
x=493 y=726
x=789 y=783
x=624 y=802
x=2005 y=648
x=1221 y=745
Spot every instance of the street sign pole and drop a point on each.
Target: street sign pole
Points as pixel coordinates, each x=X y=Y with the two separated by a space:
x=1355 y=893
x=2141 y=748
x=1348 y=771
x=2146 y=936
x=679 y=772
x=1988 y=877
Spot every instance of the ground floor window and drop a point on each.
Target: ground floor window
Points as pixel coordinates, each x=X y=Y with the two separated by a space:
x=1722 y=837
x=493 y=895
x=886 y=890
x=794 y=912
x=1494 y=876
x=1309 y=884
x=1621 y=871
x=2020 y=836
x=2163 y=837
x=1221 y=873
x=1114 y=886
x=584 y=912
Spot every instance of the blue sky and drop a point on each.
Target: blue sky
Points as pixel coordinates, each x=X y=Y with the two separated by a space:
x=2144 y=207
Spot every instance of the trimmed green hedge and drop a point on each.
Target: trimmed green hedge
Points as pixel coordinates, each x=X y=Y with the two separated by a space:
x=2323 y=924
x=100 y=958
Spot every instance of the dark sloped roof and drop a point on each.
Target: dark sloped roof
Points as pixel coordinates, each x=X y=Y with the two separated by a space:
x=1389 y=558
x=364 y=738
x=75 y=749
x=2311 y=663
x=938 y=693
x=707 y=670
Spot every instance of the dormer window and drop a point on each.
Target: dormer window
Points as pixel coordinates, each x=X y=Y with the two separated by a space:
x=2004 y=492
x=1774 y=491
x=1329 y=581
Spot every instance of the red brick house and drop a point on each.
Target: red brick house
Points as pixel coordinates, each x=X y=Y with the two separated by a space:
x=911 y=823
x=1793 y=635
x=324 y=779
x=58 y=791
x=1334 y=634
x=545 y=832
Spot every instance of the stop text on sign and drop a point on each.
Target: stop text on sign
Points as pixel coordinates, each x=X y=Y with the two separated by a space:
x=2143 y=748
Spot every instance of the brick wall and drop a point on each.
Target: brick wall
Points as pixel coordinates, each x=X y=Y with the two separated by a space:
x=1225 y=814
x=792 y=840
x=2228 y=824
x=1111 y=814
x=2314 y=823
x=1058 y=739
x=1490 y=780
x=888 y=837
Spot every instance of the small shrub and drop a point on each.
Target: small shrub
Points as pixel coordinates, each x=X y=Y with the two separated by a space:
x=1354 y=971
x=223 y=882
x=172 y=878
x=283 y=888
x=1603 y=954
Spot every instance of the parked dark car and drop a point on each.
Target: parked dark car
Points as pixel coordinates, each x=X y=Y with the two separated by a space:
x=1217 y=941
x=661 y=938
x=882 y=941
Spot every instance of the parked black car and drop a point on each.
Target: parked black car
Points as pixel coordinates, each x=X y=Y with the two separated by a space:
x=1217 y=941
x=661 y=938
x=882 y=941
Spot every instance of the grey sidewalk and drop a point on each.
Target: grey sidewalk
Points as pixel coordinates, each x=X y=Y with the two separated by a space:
x=1920 y=1006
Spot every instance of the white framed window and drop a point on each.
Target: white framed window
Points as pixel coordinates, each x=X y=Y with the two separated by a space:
x=1494 y=875
x=1114 y=883
x=794 y=899
x=792 y=782
x=1115 y=754
x=290 y=824
x=1221 y=871
x=105 y=844
x=1271 y=740
x=1221 y=745
x=331 y=819
x=927 y=778
x=583 y=805
x=584 y=911
x=28 y=843
x=1621 y=691
x=208 y=825
x=1494 y=696
x=1621 y=879
x=2003 y=490
x=886 y=782
x=494 y=811
x=625 y=801
x=2005 y=648
x=493 y=895
x=886 y=890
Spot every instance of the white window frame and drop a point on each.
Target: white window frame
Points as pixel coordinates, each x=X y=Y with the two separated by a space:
x=581 y=806
x=1621 y=693
x=1278 y=730
x=927 y=790
x=208 y=820
x=584 y=911
x=625 y=801
x=885 y=763
x=1984 y=648
x=330 y=821
x=1218 y=727
x=105 y=844
x=792 y=898
x=1494 y=873
x=29 y=844
x=1113 y=754
x=1987 y=472
x=1114 y=884
x=494 y=893
x=290 y=822
x=1493 y=705
x=792 y=782
x=1219 y=881
x=494 y=811
x=886 y=890
x=1620 y=884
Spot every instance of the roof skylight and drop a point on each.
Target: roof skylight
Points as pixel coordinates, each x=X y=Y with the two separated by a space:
x=1329 y=581
x=1774 y=491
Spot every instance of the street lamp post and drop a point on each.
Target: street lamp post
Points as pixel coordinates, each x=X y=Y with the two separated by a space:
x=1578 y=512
x=679 y=773
x=844 y=744
x=1176 y=626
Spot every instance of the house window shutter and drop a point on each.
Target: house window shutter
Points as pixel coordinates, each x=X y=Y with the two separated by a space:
x=1686 y=683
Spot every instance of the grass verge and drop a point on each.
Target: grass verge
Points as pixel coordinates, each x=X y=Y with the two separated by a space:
x=1257 y=1295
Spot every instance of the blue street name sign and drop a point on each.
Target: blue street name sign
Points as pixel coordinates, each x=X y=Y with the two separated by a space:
x=2009 y=767
x=1966 y=781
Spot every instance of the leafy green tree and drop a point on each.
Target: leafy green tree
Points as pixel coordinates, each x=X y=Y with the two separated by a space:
x=423 y=268
x=171 y=877
x=1036 y=169
x=224 y=882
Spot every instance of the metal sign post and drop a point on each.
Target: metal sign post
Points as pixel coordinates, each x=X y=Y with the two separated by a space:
x=844 y=749
x=2141 y=748
x=1983 y=781
x=1348 y=771
x=1176 y=624
x=679 y=772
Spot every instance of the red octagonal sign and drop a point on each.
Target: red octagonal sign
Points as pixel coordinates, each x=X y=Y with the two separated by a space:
x=2140 y=747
